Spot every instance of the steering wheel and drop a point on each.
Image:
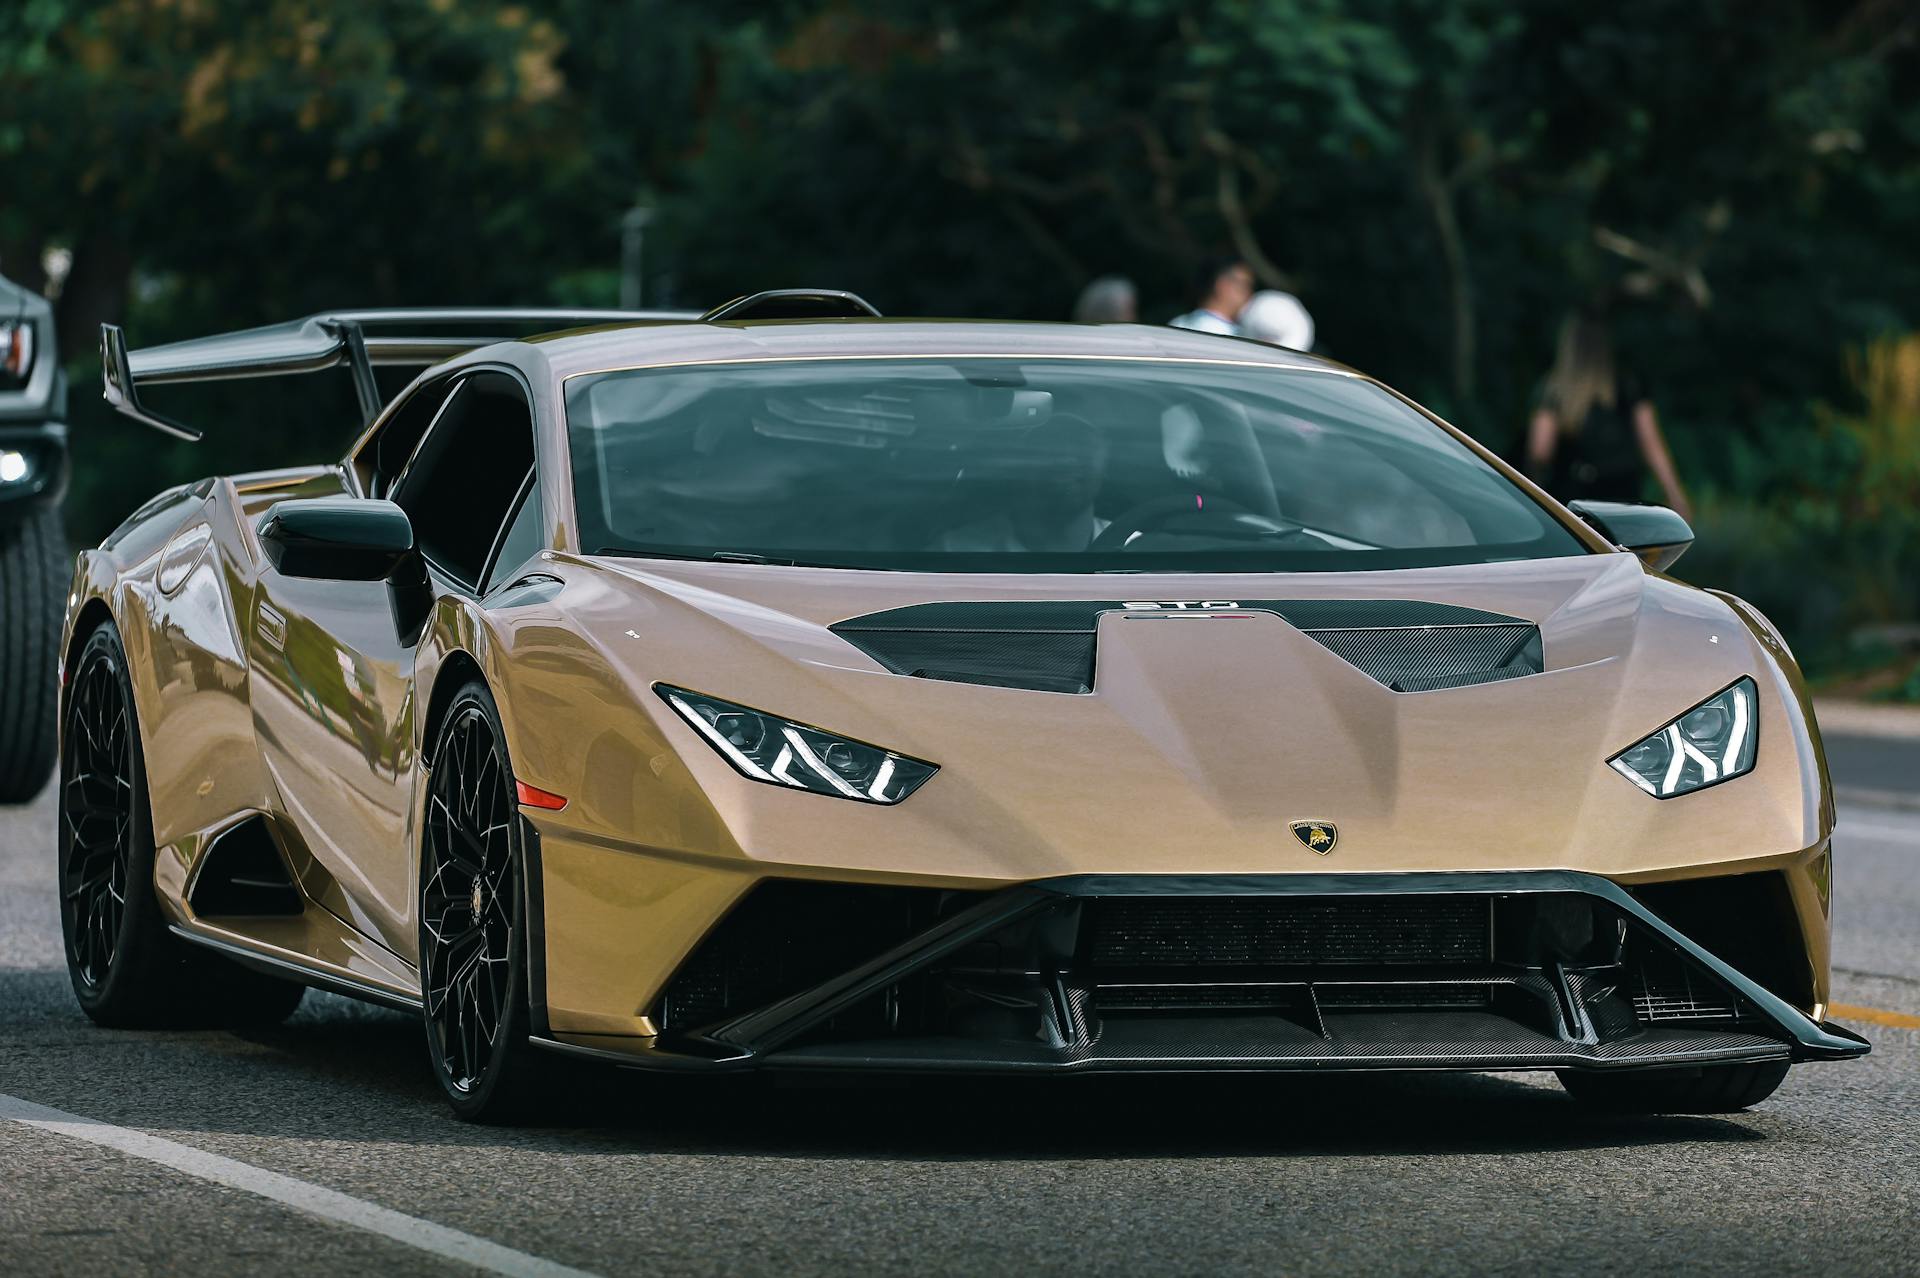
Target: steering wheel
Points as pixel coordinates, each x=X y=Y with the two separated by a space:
x=1155 y=511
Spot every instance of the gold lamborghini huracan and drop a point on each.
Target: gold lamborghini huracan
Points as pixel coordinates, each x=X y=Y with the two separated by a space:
x=788 y=688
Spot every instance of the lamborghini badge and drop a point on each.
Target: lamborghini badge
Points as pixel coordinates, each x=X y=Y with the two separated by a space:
x=1319 y=836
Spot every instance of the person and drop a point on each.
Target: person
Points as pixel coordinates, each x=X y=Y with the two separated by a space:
x=1222 y=289
x=1277 y=319
x=1111 y=299
x=1595 y=434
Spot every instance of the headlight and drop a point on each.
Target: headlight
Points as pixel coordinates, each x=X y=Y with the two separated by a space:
x=1712 y=742
x=14 y=467
x=781 y=752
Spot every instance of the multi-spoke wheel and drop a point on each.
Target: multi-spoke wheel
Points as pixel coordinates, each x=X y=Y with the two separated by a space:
x=127 y=968
x=96 y=814
x=472 y=917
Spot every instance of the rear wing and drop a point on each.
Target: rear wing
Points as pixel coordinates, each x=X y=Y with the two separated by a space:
x=412 y=337
x=361 y=340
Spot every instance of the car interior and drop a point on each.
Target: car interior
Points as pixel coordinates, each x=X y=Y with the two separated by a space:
x=1008 y=459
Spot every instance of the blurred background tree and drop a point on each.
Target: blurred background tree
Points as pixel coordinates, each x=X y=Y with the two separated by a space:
x=1439 y=180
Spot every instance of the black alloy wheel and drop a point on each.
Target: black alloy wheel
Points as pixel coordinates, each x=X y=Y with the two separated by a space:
x=97 y=816
x=128 y=969
x=473 y=917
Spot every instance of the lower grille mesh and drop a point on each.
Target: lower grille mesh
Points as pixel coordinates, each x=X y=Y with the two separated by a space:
x=1281 y=931
x=1665 y=990
x=1424 y=994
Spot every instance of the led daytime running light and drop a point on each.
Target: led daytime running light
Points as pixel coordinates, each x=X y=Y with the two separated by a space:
x=780 y=752
x=1678 y=759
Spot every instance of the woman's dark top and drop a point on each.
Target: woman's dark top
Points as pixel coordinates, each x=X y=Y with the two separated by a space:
x=1601 y=460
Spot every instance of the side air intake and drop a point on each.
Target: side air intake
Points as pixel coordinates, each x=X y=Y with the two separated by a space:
x=1048 y=646
x=242 y=873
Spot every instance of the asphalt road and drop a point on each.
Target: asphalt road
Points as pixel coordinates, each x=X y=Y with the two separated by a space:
x=216 y=1153
x=1876 y=771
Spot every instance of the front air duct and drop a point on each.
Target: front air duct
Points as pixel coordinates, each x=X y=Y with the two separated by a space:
x=1048 y=646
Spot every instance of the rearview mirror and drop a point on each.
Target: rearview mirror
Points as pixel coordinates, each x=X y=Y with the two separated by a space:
x=338 y=538
x=1658 y=535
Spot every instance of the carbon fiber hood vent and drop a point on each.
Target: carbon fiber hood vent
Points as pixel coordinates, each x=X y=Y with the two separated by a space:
x=1048 y=646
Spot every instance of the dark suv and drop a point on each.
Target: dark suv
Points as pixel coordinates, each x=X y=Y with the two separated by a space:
x=33 y=552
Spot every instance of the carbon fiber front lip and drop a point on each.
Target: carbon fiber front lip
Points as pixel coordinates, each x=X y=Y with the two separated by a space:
x=762 y=1038
x=1443 y=1042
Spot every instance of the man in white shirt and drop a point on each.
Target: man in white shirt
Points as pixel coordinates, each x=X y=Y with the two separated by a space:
x=1224 y=289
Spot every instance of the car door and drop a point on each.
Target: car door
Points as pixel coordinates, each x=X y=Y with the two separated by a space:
x=336 y=725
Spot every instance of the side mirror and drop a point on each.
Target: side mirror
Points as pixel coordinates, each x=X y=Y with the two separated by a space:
x=338 y=538
x=352 y=539
x=1658 y=535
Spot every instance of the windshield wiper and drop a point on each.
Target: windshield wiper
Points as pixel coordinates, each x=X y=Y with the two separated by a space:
x=725 y=557
x=748 y=557
x=701 y=557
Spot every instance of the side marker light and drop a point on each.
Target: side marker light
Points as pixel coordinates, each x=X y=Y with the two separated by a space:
x=534 y=797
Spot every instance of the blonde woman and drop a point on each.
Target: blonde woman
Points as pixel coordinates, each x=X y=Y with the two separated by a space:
x=1595 y=433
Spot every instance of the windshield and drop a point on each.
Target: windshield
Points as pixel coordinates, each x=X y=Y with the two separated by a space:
x=1033 y=465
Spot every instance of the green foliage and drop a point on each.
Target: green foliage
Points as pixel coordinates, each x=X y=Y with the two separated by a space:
x=1821 y=531
x=1438 y=179
x=219 y=163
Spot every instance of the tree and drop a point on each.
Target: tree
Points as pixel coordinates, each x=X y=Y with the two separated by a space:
x=1438 y=179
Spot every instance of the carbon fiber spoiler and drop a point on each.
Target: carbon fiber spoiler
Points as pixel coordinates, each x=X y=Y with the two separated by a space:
x=358 y=339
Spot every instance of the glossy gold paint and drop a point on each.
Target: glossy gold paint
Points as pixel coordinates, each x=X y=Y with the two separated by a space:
x=1201 y=746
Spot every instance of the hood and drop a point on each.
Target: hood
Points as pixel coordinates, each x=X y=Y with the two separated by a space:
x=1222 y=710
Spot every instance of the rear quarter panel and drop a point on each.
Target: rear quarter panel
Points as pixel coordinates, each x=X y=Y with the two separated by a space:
x=177 y=581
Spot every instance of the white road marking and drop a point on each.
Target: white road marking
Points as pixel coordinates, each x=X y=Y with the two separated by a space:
x=327 y=1204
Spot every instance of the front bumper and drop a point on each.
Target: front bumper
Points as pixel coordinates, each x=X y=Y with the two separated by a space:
x=1457 y=971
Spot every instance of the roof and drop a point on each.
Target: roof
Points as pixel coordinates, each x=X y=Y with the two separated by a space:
x=455 y=337
x=655 y=345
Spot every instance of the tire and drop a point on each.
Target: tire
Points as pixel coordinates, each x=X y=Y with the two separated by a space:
x=33 y=589
x=473 y=921
x=1710 y=1089
x=128 y=970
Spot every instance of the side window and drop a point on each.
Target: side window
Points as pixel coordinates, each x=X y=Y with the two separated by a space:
x=463 y=481
x=381 y=462
x=521 y=540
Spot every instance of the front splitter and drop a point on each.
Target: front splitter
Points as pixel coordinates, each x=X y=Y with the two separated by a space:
x=775 y=1036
